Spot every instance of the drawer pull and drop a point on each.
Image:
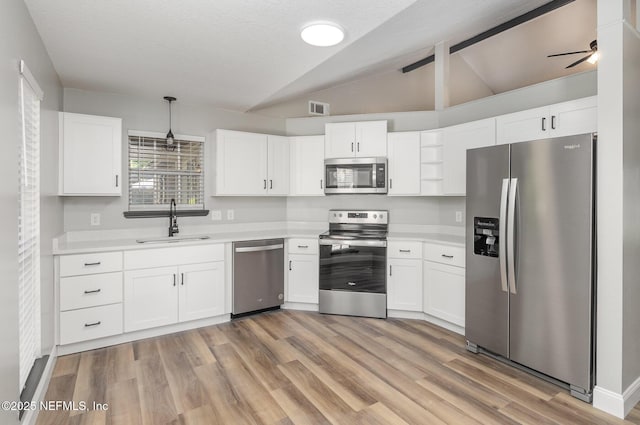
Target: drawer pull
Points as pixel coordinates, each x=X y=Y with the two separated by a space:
x=182 y=279
x=447 y=256
x=88 y=325
x=95 y=291
x=97 y=263
x=303 y=246
x=405 y=250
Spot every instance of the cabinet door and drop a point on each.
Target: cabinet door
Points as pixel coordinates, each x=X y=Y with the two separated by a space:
x=574 y=117
x=201 y=292
x=371 y=138
x=278 y=165
x=307 y=166
x=303 y=279
x=404 y=285
x=241 y=163
x=340 y=140
x=444 y=292
x=150 y=298
x=404 y=163
x=457 y=140
x=523 y=126
x=90 y=157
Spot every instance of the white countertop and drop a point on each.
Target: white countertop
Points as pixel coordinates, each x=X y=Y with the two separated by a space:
x=123 y=240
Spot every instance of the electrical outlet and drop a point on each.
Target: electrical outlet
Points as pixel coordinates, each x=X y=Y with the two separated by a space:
x=95 y=219
x=230 y=214
x=216 y=215
x=458 y=216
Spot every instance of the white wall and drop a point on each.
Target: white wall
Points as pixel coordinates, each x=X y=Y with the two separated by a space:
x=391 y=91
x=153 y=115
x=20 y=40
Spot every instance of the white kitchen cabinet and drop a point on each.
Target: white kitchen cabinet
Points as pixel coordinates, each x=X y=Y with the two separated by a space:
x=404 y=163
x=251 y=164
x=307 y=166
x=90 y=159
x=356 y=139
x=444 y=281
x=456 y=140
x=557 y=120
x=404 y=275
x=431 y=162
x=303 y=271
x=150 y=298
x=201 y=292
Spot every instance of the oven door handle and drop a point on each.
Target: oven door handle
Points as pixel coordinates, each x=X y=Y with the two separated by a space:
x=373 y=243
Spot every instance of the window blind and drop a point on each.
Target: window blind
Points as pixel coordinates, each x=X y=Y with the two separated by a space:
x=29 y=225
x=159 y=173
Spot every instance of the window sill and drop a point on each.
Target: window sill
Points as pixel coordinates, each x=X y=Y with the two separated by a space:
x=164 y=213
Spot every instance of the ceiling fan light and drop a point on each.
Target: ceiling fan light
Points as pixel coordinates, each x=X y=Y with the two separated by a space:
x=594 y=58
x=322 y=34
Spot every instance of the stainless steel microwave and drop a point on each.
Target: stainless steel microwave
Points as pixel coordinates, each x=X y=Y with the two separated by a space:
x=355 y=175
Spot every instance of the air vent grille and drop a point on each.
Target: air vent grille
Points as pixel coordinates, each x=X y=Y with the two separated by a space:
x=318 y=108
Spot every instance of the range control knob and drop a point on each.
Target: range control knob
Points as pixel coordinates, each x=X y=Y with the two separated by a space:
x=376 y=216
x=381 y=216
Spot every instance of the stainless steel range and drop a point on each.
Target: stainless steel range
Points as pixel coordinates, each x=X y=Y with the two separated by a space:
x=353 y=262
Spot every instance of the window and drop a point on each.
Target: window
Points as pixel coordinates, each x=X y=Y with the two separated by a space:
x=29 y=223
x=159 y=173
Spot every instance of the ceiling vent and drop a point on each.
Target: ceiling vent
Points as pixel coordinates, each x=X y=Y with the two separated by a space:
x=318 y=108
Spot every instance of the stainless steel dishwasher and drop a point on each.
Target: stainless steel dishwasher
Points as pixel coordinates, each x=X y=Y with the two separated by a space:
x=258 y=275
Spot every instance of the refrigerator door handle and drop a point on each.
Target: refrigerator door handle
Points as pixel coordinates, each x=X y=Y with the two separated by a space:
x=502 y=247
x=511 y=215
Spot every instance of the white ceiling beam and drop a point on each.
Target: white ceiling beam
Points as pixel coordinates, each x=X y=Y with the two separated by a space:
x=442 y=57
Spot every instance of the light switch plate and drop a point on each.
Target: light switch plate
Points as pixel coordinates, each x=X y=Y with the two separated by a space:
x=216 y=215
x=230 y=215
x=95 y=219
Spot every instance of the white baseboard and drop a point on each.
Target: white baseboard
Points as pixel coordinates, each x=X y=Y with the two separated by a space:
x=618 y=405
x=300 y=306
x=31 y=416
x=404 y=314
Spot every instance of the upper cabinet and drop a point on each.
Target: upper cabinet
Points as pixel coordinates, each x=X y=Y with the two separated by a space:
x=404 y=163
x=90 y=155
x=306 y=166
x=561 y=119
x=456 y=140
x=249 y=164
x=362 y=139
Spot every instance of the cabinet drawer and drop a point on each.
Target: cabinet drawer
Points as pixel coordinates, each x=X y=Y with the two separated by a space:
x=445 y=254
x=90 y=290
x=404 y=249
x=101 y=262
x=161 y=257
x=303 y=246
x=90 y=323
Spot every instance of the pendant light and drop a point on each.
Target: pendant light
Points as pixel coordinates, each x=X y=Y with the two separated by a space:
x=170 y=138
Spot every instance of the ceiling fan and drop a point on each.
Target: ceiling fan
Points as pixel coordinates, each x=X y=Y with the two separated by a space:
x=592 y=56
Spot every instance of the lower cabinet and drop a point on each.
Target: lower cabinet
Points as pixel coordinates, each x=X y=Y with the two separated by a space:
x=165 y=295
x=303 y=270
x=444 y=292
x=404 y=275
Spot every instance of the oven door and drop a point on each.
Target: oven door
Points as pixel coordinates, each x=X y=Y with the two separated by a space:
x=353 y=266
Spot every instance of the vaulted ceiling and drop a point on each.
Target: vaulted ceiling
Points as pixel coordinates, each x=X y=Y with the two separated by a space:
x=240 y=54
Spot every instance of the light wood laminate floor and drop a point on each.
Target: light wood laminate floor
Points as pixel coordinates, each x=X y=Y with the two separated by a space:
x=289 y=367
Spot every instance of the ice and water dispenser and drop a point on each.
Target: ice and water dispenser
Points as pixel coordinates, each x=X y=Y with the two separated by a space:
x=486 y=237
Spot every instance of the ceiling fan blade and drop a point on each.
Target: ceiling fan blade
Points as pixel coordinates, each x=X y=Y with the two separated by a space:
x=578 y=62
x=569 y=53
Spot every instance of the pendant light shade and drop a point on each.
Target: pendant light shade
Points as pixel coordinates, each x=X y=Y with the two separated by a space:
x=170 y=138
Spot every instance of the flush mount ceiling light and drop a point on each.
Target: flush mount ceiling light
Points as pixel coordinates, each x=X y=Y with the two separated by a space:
x=322 y=34
x=170 y=138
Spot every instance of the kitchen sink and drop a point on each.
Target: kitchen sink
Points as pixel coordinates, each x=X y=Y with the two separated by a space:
x=173 y=239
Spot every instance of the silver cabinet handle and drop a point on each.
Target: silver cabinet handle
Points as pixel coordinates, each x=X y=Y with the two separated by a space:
x=351 y=146
x=95 y=291
x=511 y=237
x=265 y=184
x=390 y=183
x=182 y=279
x=289 y=264
x=303 y=246
x=553 y=122
x=405 y=250
x=88 y=325
x=260 y=248
x=116 y=180
x=270 y=184
x=544 y=124
x=174 y=279
x=320 y=183
x=358 y=144
x=390 y=270
x=502 y=248
x=447 y=256
x=97 y=263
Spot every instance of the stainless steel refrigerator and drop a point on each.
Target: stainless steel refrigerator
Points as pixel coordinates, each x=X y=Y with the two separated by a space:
x=530 y=256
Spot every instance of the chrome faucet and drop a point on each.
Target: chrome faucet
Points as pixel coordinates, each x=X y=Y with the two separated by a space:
x=173 y=218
